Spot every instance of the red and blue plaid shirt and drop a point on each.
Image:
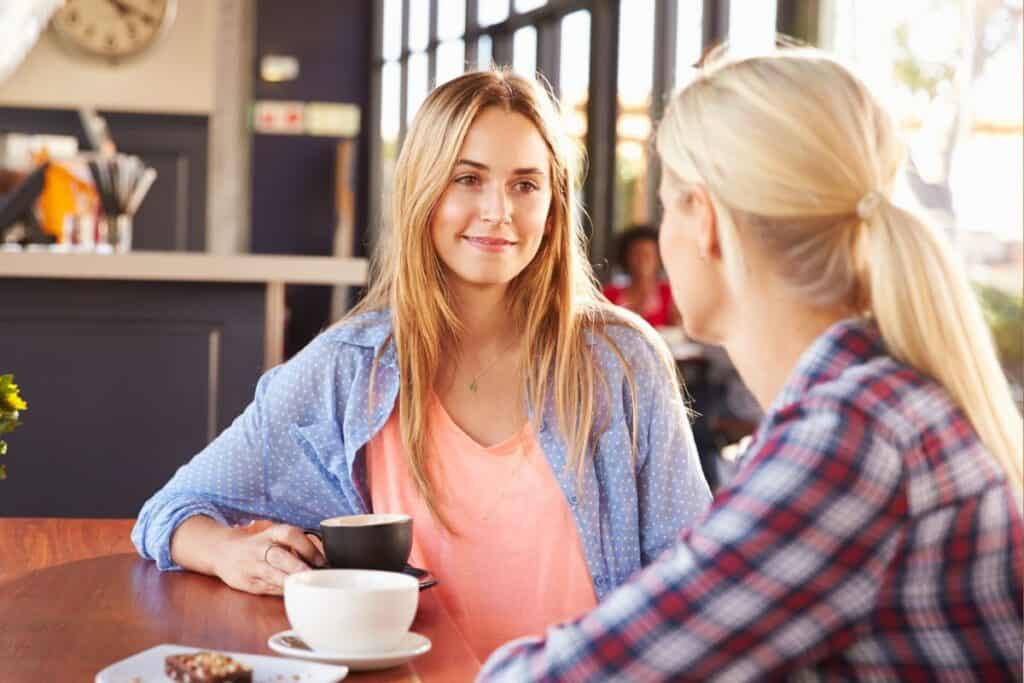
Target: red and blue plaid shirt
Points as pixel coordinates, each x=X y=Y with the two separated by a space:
x=868 y=536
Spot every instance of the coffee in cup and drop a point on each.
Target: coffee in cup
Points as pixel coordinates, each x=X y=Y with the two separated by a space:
x=351 y=611
x=374 y=541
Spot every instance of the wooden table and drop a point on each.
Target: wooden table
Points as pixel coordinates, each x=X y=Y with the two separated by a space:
x=74 y=597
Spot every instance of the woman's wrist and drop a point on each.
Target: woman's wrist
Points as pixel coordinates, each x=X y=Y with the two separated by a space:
x=196 y=542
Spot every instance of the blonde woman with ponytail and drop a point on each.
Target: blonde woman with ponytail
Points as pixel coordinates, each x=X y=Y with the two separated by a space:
x=874 y=531
x=535 y=433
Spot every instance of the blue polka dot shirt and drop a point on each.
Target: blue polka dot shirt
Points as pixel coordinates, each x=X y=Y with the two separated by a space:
x=296 y=454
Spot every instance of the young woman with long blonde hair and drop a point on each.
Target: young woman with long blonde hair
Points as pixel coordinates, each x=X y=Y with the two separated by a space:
x=874 y=529
x=535 y=433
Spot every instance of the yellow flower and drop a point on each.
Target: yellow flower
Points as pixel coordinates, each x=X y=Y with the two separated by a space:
x=12 y=401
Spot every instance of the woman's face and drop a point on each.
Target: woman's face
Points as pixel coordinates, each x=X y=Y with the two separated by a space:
x=642 y=259
x=489 y=222
x=697 y=286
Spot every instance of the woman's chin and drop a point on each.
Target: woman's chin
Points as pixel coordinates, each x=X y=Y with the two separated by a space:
x=483 y=281
x=701 y=330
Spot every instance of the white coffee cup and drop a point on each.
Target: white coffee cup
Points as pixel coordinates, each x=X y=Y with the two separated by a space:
x=352 y=611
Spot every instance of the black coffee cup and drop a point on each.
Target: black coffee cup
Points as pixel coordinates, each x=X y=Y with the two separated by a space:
x=375 y=541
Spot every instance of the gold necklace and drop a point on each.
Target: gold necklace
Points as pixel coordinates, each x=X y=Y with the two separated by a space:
x=473 y=386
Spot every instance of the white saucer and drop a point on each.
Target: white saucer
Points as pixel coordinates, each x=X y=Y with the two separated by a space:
x=149 y=666
x=412 y=645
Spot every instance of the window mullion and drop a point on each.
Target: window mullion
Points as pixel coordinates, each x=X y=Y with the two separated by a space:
x=403 y=95
x=549 y=53
x=432 y=47
x=373 y=135
x=665 y=27
x=470 y=29
x=501 y=52
x=602 y=112
x=716 y=23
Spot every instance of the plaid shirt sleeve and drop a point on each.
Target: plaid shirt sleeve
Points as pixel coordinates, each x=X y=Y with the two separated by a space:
x=776 y=576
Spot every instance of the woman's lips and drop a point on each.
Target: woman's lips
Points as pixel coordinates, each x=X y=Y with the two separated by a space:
x=492 y=244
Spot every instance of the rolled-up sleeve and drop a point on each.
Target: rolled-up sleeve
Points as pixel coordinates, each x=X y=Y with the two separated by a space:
x=225 y=481
x=254 y=469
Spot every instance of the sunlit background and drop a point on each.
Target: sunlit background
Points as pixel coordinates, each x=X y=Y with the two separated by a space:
x=273 y=128
x=950 y=70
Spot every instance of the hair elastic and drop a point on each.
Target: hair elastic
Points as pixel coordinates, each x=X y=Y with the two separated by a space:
x=868 y=204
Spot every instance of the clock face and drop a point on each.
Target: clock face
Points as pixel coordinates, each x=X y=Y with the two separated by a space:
x=112 y=29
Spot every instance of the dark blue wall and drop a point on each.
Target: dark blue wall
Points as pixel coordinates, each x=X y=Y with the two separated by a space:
x=293 y=176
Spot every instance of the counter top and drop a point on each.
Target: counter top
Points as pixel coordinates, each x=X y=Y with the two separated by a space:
x=185 y=267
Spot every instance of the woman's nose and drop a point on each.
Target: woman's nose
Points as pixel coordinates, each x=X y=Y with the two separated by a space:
x=495 y=207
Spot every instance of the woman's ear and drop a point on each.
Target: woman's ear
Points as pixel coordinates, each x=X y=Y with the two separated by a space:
x=705 y=219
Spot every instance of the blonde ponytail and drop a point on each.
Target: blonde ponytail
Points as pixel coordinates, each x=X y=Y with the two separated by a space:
x=930 y=319
x=795 y=149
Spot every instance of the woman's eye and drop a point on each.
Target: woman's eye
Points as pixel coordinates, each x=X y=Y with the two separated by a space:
x=526 y=186
x=467 y=180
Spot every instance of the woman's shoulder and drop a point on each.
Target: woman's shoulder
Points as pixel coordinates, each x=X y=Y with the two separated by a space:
x=614 y=331
x=327 y=364
x=349 y=341
x=897 y=402
x=370 y=329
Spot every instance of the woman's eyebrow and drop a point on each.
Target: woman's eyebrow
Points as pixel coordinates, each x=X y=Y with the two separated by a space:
x=484 y=167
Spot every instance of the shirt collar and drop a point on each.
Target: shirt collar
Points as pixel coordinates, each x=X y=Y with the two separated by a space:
x=848 y=342
x=371 y=329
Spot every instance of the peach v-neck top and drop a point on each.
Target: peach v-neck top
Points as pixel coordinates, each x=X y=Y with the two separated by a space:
x=515 y=564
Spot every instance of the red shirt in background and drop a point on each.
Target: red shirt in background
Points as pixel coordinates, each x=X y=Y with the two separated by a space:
x=657 y=310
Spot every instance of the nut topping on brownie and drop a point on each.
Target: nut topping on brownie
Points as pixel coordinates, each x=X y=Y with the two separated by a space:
x=206 y=667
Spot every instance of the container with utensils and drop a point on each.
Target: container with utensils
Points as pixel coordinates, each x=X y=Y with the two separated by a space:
x=122 y=182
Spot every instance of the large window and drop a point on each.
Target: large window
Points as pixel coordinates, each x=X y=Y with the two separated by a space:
x=424 y=43
x=951 y=72
x=633 y=129
x=660 y=43
x=574 y=72
x=611 y=63
x=752 y=25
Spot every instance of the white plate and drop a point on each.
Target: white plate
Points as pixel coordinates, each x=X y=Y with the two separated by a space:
x=412 y=645
x=149 y=666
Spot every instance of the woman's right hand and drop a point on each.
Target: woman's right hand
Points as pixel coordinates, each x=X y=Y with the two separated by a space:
x=259 y=557
x=255 y=558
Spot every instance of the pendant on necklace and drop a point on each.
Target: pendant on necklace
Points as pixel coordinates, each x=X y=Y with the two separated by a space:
x=472 y=386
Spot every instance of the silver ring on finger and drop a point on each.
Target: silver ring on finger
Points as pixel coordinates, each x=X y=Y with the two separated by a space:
x=266 y=552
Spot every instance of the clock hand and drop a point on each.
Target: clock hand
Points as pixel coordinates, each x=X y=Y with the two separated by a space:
x=124 y=9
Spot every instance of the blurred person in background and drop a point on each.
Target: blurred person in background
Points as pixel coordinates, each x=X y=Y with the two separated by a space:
x=642 y=289
x=725 y=412
x=874 y=529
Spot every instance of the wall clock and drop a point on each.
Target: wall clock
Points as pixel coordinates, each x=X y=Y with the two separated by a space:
x=112 y=30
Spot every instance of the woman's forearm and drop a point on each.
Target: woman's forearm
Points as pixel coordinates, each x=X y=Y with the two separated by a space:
x=194 y=543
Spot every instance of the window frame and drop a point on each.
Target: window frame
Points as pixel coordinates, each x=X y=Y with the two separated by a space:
x=602 y=102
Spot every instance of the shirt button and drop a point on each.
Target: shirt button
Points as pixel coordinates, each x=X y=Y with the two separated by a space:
x=572 y=500
x=600 y=582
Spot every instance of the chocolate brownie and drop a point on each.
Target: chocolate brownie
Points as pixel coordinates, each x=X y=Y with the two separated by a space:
x=206 y=667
